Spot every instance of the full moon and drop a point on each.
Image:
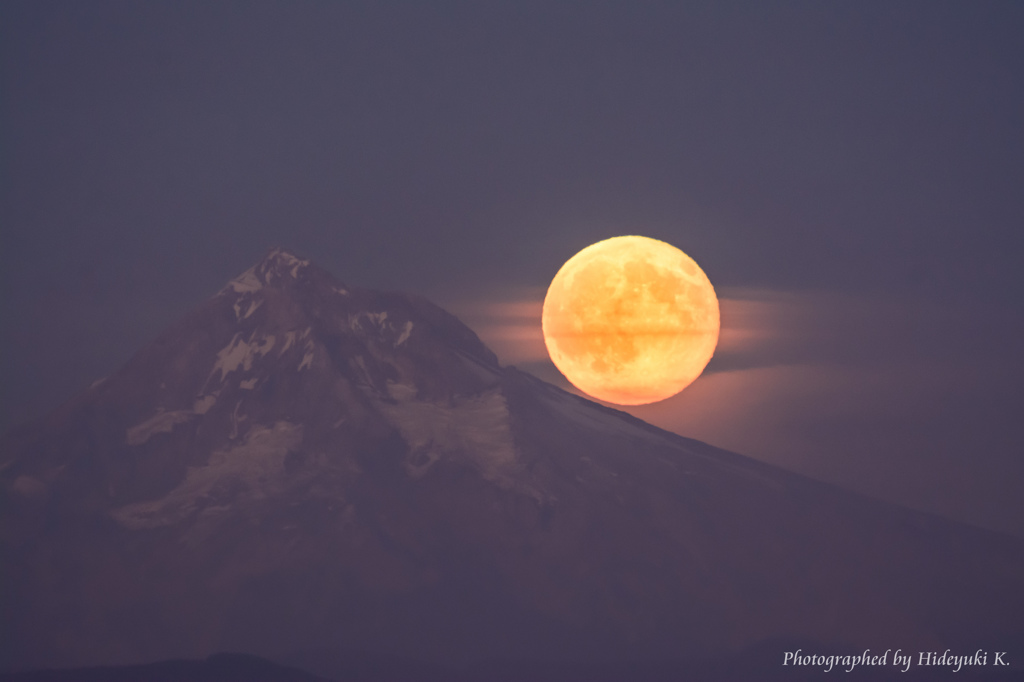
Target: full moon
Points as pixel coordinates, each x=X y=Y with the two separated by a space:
x=630 y=320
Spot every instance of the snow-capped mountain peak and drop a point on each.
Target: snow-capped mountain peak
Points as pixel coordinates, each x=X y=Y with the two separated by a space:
x=275 y=269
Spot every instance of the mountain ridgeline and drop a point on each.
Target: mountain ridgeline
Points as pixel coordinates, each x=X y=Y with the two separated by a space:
x=299 y=466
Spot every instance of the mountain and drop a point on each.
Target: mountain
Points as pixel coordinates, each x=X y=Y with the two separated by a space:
x=300 y=467
x=217 y=668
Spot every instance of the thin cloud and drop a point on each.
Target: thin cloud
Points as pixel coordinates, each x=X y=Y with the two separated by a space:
x=508 y=322
x=754 y=324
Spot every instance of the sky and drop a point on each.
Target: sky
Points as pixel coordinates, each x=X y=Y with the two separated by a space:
x=848 y=174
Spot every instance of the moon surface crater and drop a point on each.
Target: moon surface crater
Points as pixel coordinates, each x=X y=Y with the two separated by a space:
x=630 y=320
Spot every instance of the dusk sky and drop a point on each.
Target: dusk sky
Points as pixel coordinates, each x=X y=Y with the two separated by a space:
x=850 y=176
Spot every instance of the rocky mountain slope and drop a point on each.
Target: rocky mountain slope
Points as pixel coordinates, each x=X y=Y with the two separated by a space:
x=299 y=465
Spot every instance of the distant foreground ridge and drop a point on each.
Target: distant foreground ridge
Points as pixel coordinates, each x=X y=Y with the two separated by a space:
x=216 y=668
x=299 y=467
x=758 y=664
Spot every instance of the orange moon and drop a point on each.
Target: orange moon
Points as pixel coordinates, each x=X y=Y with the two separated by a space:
x=630 y=320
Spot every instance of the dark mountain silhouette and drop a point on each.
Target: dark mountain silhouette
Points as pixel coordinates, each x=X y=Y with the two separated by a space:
x=217 y=668
x=301 y=466
x=760 y=663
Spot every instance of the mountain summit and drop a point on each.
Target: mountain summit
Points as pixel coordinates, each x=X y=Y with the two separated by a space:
x=300 y=465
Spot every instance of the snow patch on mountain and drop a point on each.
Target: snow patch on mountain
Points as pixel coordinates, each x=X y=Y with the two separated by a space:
x=165 y=421
x=202 y=405
x=307 y=358
x=366 y=322
x=251 y=470
x=474 y=431
x=161 y=422
x=240 y=353
x=251 y=307
x=404 y=336
x=294 y=336
x=401 y=392
x=379 y=325
x=276 y=265
x=236 y=419
x=245 y=283
x=285 y=260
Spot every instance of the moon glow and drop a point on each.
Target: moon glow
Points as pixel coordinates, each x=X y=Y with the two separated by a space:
x=630 y=320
